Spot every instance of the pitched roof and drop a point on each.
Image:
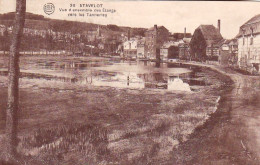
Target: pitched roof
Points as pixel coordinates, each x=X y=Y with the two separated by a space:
x=210 y=33
x=223 y=41
x=254 y=19
x=158 y=27
x=181 y=35
x=252 y=25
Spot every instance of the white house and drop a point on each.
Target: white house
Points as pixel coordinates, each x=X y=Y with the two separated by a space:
x=130 y=48
x=249 y=45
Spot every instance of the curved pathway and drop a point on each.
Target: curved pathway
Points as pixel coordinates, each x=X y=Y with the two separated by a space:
x=232 y=135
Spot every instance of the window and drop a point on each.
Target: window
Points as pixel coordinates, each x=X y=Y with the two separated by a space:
x=243 y=32
x=251 y=40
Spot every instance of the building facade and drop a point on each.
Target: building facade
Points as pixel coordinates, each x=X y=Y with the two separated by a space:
x=233 y=49
x=130 y=49
x=228 y=52
x=204 y=43
x=184 y=49
x=249 y=45
x=141 y=49
x=169 y=50
x=224 y=52
x=154 y=39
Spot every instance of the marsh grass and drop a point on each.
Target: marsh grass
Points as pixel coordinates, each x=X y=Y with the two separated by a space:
x=58 y=143
x=108 y=125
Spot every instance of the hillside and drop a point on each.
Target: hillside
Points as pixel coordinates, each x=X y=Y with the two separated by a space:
x=35 y=21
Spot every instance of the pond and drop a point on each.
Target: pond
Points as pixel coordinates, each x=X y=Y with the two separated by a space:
x=110 y=72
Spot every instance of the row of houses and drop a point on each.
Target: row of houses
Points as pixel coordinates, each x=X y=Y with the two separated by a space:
x=243 y=51
x=206 y=44
x=158 y=43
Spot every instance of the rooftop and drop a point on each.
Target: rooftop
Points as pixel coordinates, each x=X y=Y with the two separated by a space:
x=210 y=33
x=158 y=27
x=252 y=26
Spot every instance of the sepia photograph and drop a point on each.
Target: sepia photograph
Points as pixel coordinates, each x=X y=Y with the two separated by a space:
x=107 y=82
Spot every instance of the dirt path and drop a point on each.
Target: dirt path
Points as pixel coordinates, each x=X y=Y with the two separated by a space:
x=232 y=134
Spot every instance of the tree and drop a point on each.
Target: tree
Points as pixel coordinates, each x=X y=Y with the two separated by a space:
x=13 y=82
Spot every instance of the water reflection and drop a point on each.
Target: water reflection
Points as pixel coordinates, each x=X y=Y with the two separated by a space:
x=118 y=74
x=178 y=84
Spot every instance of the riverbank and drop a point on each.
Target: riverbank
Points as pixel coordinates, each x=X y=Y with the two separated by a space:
x=132 y=126
x=231 y=135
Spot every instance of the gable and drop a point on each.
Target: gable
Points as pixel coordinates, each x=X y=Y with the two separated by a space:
x=210 y=33
x=198 y=41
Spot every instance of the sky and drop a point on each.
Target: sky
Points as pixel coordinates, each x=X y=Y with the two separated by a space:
x=174 y=15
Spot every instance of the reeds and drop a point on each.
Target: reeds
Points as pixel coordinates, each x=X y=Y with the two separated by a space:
x=58 y=141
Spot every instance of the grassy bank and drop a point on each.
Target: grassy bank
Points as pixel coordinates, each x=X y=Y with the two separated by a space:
x=62 y=123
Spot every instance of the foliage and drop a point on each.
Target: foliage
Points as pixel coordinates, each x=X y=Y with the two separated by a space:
x=11 y=15
x=48 y=42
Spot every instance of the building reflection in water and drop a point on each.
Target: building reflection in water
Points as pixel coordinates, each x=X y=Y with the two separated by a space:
x=177 y=84
x=164 y=81
x=131 y=74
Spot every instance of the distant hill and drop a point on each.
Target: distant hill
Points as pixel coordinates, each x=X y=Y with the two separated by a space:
x=35 y=21
x=10 y=16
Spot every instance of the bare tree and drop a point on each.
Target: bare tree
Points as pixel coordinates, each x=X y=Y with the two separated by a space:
x=13 y=82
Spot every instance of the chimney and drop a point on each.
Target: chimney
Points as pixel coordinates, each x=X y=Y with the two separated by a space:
x=155 y=27
x=219 y=25
x=184 y=32
x=128 y=35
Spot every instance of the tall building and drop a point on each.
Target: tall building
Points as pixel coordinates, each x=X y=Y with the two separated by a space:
x=154 y=39
x=249 y=45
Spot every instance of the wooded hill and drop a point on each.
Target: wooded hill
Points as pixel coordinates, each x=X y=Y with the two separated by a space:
x=35 y=21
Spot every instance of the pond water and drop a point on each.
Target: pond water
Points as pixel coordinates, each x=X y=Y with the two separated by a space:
x=110 y=72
